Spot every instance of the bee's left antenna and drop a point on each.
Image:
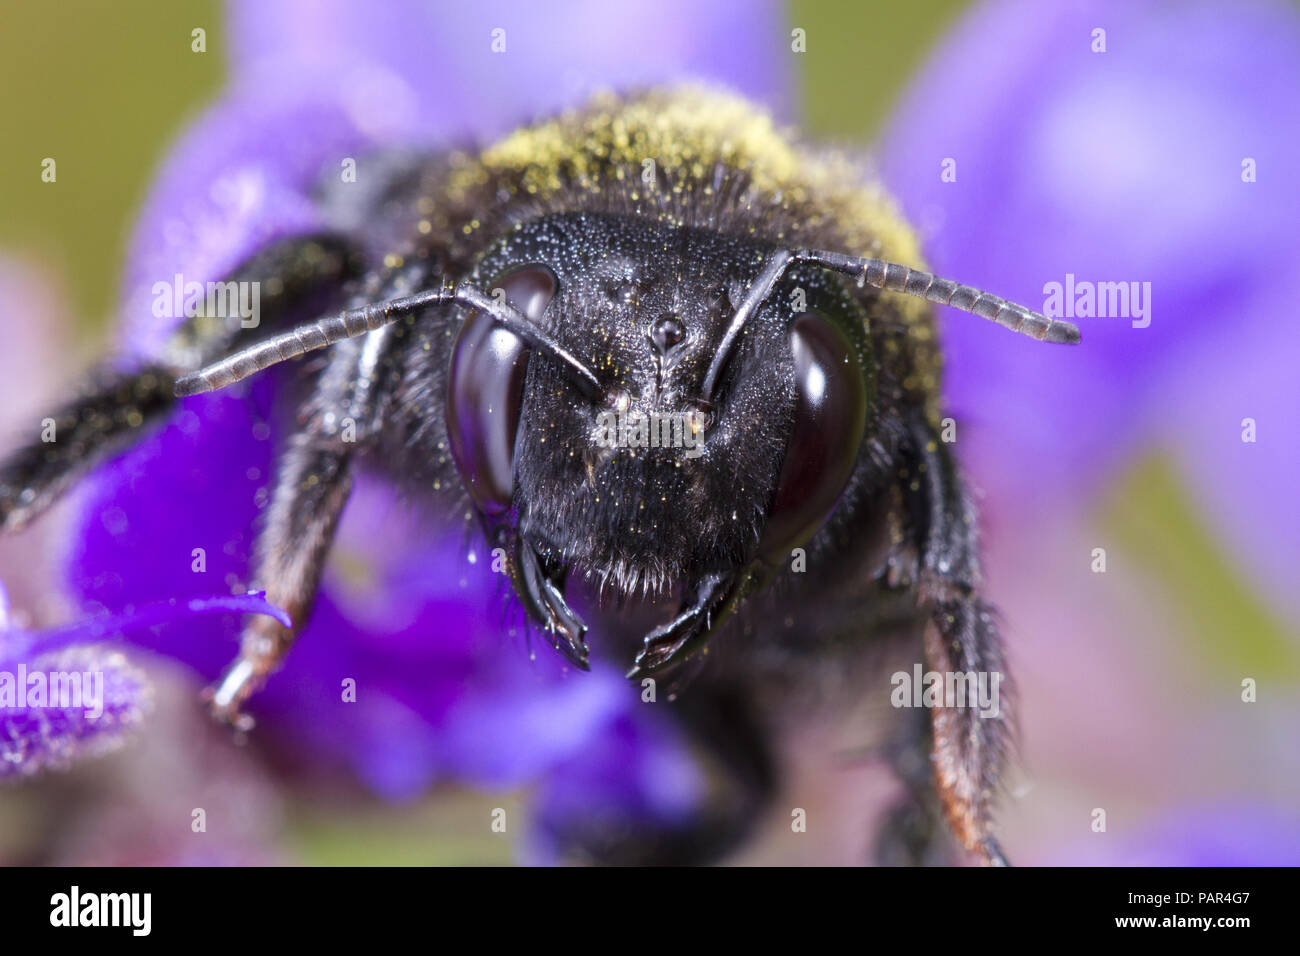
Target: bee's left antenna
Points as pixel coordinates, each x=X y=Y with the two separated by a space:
x=925 y=285
x=354 y=322
x=896 y=278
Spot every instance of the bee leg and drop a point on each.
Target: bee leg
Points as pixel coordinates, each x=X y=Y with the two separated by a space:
x=109 y=416
x=968 y=743
x=913 y=831
x=116 y=408
x=310 y=491
x=541 y=589
x=714 y=600
x=291 y=276
x=969 y=747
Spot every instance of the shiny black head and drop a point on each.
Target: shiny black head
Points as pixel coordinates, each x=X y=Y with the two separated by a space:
x=657 y=484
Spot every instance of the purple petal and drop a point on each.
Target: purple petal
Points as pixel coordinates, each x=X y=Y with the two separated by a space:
x=1246 y=489
x=16 y=645
x=637 y=774
x=1228 y=835
x=416 y=626
x=237 y=180
x=1116 y=166
x=437 y=61
x=187 y=497
x=49 y=734
x=555 y=724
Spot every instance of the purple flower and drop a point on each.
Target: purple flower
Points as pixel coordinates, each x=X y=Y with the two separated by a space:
x=64 y=696
x=637 y=764
x=409 y=609
x=41 y=732
x=1171 y=159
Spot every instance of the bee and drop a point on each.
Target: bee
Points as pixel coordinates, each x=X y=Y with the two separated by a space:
x=668 y=259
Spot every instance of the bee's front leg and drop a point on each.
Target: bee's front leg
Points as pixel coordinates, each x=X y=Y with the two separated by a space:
x=711 y=602
x=311 y=489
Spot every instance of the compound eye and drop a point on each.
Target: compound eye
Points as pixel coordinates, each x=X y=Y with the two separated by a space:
x=830 y=413
x=485 y=388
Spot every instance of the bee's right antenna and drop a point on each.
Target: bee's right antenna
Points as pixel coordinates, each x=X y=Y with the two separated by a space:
x=354 y=322
x=896 y=278
x=889 y=275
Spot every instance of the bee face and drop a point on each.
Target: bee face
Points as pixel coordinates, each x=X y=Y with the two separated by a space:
x=654 y=485
x=651 y=485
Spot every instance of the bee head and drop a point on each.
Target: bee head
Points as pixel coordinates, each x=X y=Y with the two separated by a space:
x=687 y=461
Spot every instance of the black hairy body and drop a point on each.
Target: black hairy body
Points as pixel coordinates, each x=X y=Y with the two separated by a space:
x=641 y=241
